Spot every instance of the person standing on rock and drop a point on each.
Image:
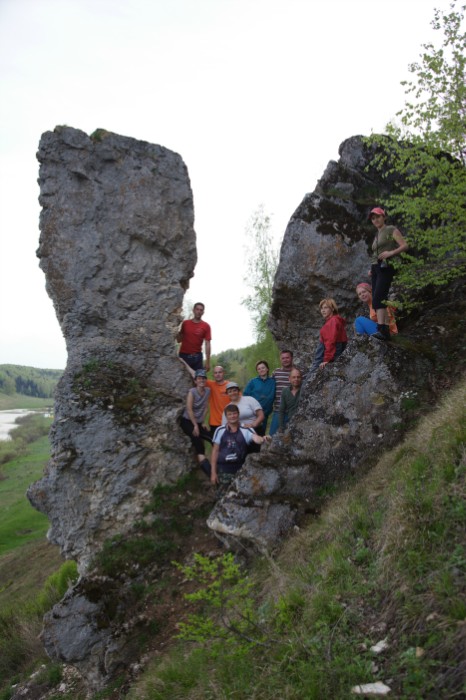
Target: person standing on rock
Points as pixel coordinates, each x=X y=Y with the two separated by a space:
x=282 y=379
x=333 y=338
x=388 y=242
x=193 y=417
x=368 y=326
x=290 y=398
x=192 y=334
x=230 y=447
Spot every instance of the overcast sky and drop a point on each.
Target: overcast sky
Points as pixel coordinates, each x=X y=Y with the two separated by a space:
x=255 y=95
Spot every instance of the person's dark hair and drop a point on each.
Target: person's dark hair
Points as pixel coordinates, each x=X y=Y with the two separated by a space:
x=263 y=362
x=231 y=407
x=199 y=303
x=290 y=352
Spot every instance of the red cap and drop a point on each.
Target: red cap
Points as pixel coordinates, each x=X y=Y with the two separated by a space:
x=377 y=210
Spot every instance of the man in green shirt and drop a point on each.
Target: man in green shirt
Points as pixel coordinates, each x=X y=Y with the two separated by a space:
x=290 y=398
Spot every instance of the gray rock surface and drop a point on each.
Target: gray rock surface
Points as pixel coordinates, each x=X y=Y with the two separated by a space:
x=325 y=249
x=349 y=413
x=359 y=406
x=118 y=248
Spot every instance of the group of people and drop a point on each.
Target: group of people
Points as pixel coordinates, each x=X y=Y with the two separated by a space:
x=238 y=420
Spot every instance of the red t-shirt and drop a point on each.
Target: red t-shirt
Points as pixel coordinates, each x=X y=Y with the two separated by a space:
x=194 y=335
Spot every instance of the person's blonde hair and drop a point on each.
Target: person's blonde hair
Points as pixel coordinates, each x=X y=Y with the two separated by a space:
x=331 y=303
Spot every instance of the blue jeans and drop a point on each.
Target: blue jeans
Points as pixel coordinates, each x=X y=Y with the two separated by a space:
x=320 y=352
x=274 y=423
x=365 y=326
x=193 y=360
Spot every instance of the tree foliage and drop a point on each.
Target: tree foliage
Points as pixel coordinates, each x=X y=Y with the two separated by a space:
x=29 y=381
x=425 y=157
x=261 y=265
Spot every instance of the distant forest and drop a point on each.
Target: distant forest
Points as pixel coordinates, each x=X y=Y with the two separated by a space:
x=41 y=383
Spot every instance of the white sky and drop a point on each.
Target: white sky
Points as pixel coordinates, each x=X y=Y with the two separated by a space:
x=256 y=96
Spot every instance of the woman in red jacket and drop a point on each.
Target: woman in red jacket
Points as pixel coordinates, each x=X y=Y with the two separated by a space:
x=333 y=336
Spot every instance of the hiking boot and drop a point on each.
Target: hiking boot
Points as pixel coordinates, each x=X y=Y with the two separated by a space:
x=382 y=333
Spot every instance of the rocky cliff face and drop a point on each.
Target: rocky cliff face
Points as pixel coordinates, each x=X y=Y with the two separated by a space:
x=325 y=249
x=355 y=408
x=117 y=246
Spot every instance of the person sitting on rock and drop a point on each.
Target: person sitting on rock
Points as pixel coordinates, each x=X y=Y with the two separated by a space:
x=193 y=417
x=368 y=326
x=230 y=447
x=333 y=338
x=290 y=398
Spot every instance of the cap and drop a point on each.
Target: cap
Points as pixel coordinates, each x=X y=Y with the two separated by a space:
x=364 y=285
x=377 y=210
x=200 y=373
x=231 y=385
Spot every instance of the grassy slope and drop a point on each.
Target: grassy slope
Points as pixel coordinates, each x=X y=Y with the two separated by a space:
x=19 y=521
x=384 y=561
x=23 y=529
x=22 y=401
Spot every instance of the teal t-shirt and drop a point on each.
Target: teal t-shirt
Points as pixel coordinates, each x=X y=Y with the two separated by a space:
x=383 y=241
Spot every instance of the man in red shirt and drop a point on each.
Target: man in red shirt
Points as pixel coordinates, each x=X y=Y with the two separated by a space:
x=192 y=334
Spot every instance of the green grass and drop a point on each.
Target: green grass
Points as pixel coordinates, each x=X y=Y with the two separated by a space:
x=20 y=523
x=385 y=559
x=21 y=401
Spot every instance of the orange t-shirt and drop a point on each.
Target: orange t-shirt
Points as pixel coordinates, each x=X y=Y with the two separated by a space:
x=218 y=399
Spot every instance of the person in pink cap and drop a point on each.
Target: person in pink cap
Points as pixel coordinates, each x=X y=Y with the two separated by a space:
x=388 y=242
x=368 y=325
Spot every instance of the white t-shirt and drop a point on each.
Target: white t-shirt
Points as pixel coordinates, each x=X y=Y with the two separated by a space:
x=247 y=406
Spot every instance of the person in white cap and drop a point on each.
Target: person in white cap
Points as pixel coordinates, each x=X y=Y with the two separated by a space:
x=251 y=414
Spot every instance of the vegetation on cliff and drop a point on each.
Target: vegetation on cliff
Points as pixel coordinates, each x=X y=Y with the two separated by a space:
x=424 y=159
x=382 y=564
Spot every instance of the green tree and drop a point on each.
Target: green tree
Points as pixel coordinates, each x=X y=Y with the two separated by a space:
x=261 y=265
x=424 y=158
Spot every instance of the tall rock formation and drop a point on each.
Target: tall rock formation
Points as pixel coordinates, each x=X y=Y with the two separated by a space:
x=355 y=408
x=118 y=248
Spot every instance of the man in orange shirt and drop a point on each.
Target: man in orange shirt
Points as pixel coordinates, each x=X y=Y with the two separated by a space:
x=218 y=398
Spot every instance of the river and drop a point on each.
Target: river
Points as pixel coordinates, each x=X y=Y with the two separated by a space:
x=8 y=420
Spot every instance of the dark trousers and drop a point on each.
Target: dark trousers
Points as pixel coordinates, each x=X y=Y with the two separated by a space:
x=198 y=442
x=381 y=278
x=320 y=352
x=194 y=360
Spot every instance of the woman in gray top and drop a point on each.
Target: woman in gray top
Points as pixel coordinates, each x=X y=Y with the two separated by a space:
x=194 y=415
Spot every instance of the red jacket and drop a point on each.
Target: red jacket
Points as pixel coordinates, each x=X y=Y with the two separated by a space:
x=333 y=332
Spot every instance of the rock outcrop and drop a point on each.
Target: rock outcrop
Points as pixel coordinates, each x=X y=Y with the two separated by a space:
x=118 y=248
x=325 y=249
x=358 y=406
